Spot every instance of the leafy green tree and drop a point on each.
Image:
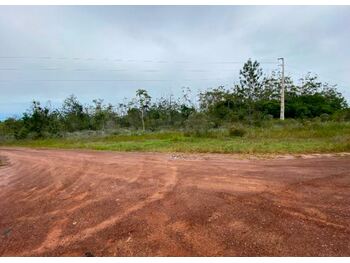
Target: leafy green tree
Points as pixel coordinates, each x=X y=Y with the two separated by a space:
x=251 y=81
x=313 y=98
x=37 y=119
x=220 y=104
x=251 y=84
x=11 y=127
x=102 y=116
x=256 y=97
x=74 y=115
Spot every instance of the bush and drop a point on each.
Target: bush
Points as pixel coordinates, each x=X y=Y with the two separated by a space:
x=268 y=117
x=22 y=133
x=324 y=117
x=343 y=115
x=317 y=119
x=197 y=124
x=237 y=131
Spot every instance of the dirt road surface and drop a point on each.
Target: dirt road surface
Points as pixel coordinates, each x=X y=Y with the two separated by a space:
x=77 y=203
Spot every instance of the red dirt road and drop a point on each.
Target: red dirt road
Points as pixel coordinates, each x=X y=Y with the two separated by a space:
x=57 y=202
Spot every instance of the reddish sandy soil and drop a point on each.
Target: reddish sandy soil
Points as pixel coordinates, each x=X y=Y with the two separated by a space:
x=60 y=203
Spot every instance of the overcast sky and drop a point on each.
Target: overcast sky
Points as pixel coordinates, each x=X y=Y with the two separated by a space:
x=48 y=53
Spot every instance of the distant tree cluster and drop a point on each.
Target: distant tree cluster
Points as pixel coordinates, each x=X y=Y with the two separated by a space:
x=256 y=97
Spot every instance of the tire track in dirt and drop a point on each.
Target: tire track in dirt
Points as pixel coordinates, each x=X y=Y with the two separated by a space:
x=80 y=176
x=299 y=212
x=67 y=202
x=55 y=240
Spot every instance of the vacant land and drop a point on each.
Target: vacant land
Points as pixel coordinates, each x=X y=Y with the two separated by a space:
x=70 y=202
x=273 y=137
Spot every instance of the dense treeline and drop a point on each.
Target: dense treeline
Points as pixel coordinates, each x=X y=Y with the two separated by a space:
x=254 y=99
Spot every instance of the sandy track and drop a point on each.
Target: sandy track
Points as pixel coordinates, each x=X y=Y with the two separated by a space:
x=56 y=202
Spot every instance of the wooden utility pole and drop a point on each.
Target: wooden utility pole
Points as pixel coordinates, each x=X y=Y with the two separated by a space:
x=282 y=90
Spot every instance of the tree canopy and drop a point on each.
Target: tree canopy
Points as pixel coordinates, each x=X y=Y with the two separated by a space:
x=255 y=97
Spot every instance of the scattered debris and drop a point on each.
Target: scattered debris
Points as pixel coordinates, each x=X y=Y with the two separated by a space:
x=177 y=157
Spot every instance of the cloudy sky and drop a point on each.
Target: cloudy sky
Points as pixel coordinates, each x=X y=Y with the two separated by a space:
x=48 y=52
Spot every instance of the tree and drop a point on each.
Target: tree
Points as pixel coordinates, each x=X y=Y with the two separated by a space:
x=143 y=100
x=75 y=118
x=102 y=116
x=11 y=127
x=312 y=98
x=39 y=121
x=250 y=79
x=219 y=104
x=251 y=83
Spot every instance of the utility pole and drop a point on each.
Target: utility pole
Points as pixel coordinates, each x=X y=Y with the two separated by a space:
x=282 y=89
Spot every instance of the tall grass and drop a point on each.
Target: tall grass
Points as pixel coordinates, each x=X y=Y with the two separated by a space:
x=271 y=137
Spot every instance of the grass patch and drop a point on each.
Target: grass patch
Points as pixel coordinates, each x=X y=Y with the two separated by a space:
x=273 y=137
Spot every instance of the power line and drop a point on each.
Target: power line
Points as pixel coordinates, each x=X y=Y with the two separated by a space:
x=130 y=60
x=86 y=69
x=108 y=80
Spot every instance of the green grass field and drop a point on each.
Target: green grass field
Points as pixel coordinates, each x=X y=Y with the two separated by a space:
x=272 y=138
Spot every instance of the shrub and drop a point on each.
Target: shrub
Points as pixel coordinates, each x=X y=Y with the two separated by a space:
x=197 y=124
x=343 y=115
x=317 y=119
x=237 y=131
x=268 y=117
x=324 y=117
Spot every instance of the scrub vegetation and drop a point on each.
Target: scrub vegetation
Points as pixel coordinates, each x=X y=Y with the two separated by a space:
x=239 y=119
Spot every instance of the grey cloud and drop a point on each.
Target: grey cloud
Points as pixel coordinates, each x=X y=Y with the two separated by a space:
x=160 y=48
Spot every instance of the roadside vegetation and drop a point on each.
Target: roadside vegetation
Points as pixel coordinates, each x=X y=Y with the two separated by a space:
x=271 y=137
x=239 y=119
